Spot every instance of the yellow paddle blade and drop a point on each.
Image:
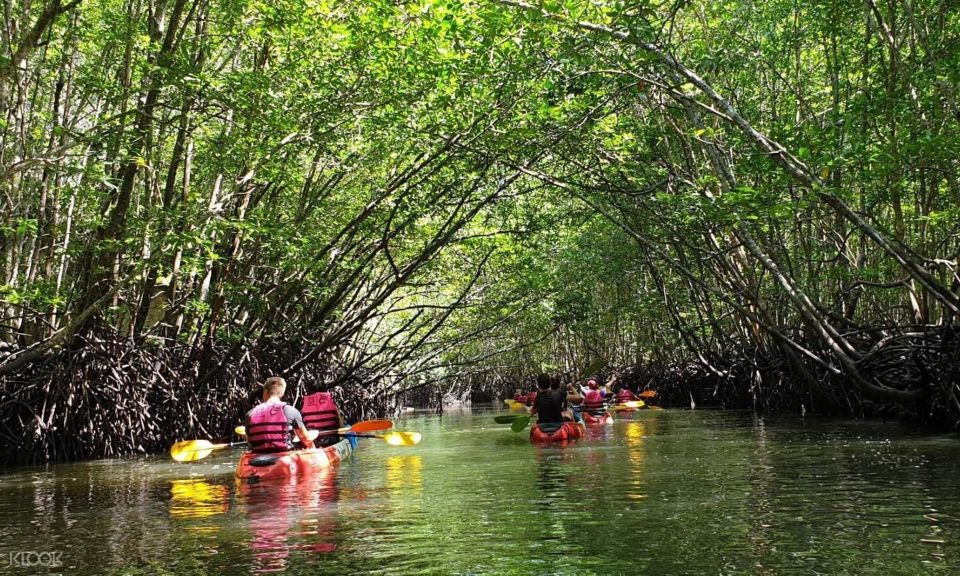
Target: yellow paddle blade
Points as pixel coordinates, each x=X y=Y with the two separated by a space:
x=240 y=430
x=402 y=438
x=192 y=450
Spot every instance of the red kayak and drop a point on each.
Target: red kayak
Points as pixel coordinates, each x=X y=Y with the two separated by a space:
x=590 y=419
x=254 y=467
x=557 y=433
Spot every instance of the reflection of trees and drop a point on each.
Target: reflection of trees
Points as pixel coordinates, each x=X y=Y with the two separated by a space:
x=762 y=481
x=288 y=515
x=559 y=502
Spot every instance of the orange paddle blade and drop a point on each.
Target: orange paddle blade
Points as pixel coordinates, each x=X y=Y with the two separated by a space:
x=370 y=426
x=647 y=394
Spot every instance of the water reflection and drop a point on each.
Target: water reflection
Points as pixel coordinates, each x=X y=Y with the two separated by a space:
x=405 y=472
x=554 y=480
x=192 y=499
x=762 y=486
x=288 y=516
x=634 y=434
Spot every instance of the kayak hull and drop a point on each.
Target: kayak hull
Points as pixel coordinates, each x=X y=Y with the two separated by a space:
x=255 y=467
x=591 y=420
x=568 y=431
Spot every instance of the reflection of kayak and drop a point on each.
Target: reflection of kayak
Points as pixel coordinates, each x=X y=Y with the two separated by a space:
x=290 y=517
x=605 y=418
x=255 y=467
x=557 y=433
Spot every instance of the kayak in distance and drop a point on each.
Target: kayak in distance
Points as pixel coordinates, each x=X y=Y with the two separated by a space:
x=590 y=419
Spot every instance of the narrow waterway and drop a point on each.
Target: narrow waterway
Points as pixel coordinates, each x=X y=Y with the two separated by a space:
x=671 y=492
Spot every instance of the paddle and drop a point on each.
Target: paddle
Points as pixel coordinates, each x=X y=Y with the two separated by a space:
x=395 y=438
x=595 y=366
x=514 y=405
x=193 y=450
x=648 y=394
x=365 y=426
x=520 y=423
x=628 y=404
x=506 y=418
x=517 y=421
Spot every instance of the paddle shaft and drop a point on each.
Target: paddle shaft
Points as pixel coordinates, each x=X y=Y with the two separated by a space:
x=220 y=446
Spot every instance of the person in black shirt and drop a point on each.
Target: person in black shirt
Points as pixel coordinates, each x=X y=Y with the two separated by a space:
x=551 y=401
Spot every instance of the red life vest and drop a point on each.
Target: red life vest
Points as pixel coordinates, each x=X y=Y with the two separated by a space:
x=518 y=397
x=320 y=412
x=531 y=397
x=267 y=428
x=593 y=401
x=625 y=395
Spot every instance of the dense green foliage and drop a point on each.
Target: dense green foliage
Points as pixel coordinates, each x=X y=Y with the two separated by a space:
x=468 y=192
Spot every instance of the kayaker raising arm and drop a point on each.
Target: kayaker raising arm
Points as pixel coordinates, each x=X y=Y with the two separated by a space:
x=269 y=423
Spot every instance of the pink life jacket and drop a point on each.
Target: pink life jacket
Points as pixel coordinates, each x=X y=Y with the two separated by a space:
x=268 y=429
x=625 y=395
x=319 y=412
x=593 y=401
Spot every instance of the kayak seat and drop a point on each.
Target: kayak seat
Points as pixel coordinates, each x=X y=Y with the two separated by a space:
x=550 y=427
x=265 y=460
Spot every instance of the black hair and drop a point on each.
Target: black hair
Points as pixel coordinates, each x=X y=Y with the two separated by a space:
x=544 y=381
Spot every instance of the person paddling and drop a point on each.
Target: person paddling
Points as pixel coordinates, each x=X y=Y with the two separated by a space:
x=551 y=401
x=625 y=395
x=531 y=396
x=270 y=422
x=320 y=412
x=593 y=399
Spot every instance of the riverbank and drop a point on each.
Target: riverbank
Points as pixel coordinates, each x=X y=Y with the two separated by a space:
x=113 y=398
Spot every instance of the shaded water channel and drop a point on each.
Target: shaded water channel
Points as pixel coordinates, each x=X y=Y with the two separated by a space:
x=672 y=492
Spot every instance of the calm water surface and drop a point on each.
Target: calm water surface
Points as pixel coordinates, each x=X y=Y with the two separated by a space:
x=672 y=492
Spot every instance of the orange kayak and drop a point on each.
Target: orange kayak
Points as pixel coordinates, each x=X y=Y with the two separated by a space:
x=254 y=467
x=605 y=418
x=566 y=431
